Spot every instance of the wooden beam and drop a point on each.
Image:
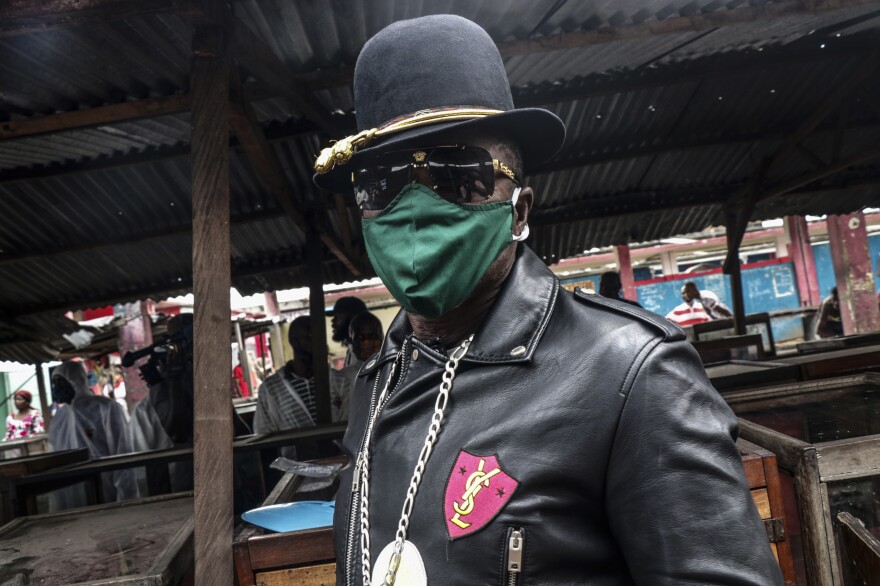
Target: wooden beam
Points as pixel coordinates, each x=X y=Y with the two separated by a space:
x=212 y=361
x=573 y=157
x=19 y=17
x=828 y=170
x=690 y=23
x=148 y=156
x=265 y=163
x=844 y=91
x=257 y=57
x=129 y=240
x=124 y=112
x=102 y=299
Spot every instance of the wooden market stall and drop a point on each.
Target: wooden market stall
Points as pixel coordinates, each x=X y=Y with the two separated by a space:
x=153 y=148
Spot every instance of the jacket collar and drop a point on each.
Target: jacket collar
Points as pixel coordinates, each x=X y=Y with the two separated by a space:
x=513 y=327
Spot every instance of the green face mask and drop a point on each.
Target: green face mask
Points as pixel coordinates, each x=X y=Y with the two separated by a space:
x=431 y=253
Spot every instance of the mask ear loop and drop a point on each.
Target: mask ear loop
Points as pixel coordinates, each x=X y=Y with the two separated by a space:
x=525 y=231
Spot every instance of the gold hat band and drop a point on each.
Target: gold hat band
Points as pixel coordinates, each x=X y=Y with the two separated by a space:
x=342 y=150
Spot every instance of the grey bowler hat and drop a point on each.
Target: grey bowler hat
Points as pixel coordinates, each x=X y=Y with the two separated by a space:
x=434 y=77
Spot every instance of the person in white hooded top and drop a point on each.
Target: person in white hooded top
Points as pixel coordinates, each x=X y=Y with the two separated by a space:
x=94 y=422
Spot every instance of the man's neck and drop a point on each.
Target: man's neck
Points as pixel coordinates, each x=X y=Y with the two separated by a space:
x=300 y=368
x=451 y=329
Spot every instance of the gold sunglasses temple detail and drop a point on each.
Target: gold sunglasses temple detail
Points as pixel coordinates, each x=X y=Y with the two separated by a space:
x=502 y=168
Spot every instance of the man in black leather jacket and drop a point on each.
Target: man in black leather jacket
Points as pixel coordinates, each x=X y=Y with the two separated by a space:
x=509 y=432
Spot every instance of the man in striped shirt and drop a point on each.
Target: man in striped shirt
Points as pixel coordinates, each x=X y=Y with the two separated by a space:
x=691 y=311
x=286 y=399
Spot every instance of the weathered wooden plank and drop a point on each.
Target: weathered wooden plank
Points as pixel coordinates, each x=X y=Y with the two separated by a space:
x=28 y=16
x=211 y=283
x=754 y=469
x=291 y=549
x=90 y=117
x=861 y=551
x=262 y=158
x=818 y=557
x=849 y=458
x=323 y=575
x=762 y=502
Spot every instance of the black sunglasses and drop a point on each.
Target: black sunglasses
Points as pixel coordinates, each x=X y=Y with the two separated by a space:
x=459 y=174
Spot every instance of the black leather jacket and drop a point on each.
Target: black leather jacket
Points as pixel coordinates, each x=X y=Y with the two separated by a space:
x=617 y=457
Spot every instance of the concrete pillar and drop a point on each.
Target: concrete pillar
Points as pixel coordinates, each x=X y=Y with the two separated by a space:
x=624 y=266
x=669 y=263
x=801 y=253
x=853 y=273
x=271 y=303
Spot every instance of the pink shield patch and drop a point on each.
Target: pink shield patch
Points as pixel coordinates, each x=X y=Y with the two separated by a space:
x=476 y=491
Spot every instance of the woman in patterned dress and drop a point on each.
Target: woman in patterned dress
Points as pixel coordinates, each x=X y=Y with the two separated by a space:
x=25 y=421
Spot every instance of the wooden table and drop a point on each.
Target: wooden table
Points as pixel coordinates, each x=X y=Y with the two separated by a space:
x=140 y=542
x=826 y=438
x=737 y=374
x=25 y=488
x=839 y=362
x=826 y=344
x=29 y=446
x=19 y=467
x=301 y=558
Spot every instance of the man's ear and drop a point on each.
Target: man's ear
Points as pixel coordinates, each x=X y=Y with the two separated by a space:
x=521 y=210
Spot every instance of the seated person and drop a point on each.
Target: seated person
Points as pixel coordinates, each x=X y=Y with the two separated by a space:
x=829 y=324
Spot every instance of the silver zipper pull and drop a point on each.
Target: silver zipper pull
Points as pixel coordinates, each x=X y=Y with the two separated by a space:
x=515 y=552
x=356 y=479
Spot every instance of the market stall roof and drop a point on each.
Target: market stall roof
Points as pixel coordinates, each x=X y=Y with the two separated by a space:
x=673 y=109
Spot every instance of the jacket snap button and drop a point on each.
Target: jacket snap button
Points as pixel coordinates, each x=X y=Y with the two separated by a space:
x=415 y=354
x=371 y=364
x=518 y=351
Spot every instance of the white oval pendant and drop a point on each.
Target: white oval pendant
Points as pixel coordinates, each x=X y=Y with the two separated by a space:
x=410 y=572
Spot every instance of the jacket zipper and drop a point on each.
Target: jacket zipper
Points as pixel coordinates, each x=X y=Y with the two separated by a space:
x=354 y=511
x=516 y=543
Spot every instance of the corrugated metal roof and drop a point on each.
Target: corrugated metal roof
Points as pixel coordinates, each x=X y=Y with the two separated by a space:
x=661 y=127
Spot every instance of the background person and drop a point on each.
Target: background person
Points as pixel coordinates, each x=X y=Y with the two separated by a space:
x=611 y=287
x=94 y=422
x=690 y=311
x=829 y=324
x=24 y=422
x=365 y=332
x=345 y=309
x=286 y=399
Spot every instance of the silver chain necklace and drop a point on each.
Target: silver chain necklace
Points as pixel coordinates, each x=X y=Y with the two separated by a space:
x=362 y=468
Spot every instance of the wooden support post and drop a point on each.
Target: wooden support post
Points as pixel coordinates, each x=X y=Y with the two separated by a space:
x=624 y=266
x=212 y=365
x=801 y=252
x=45 y=403
x=853 y=273
x=736 y=226
x=319 y=325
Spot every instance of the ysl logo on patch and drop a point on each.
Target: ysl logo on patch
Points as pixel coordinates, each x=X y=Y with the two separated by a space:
x=476 y=491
